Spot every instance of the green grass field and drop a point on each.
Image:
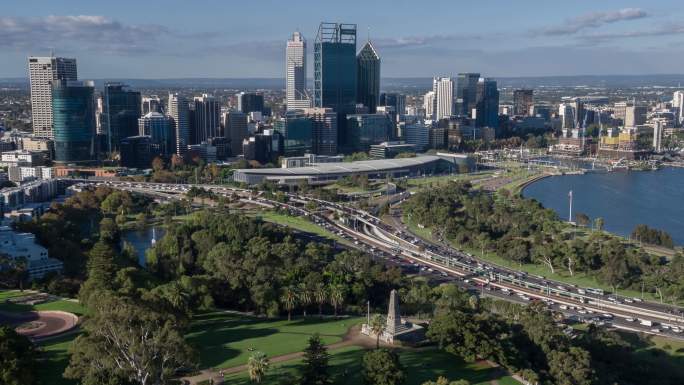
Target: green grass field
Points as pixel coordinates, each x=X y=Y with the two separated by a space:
x=224 y=340
x=297 y=223
x=419 y=365
x=70 y=306
x=54 y=359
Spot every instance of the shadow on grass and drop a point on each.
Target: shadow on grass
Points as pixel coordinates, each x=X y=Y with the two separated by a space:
x=53 y=360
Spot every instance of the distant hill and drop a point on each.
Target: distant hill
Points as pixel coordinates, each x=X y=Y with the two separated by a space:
x=609 y=81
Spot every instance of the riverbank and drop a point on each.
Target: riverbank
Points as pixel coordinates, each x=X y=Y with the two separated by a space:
x=623 y=199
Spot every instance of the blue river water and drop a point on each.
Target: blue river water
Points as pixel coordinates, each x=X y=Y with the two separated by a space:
x=623 y=199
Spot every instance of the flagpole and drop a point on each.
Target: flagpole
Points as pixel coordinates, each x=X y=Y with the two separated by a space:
x=570 y=216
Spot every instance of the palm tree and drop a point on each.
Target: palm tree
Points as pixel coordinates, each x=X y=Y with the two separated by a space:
x=304 y=296
x=337 y=293
x=320 y=293
x=257 y=366
x=289 y=299
x=377 y=326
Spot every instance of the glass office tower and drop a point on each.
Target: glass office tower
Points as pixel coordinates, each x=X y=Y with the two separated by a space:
x=121 y=109
x=297 y=132
x=466 y=93
x=368 y=77
x=368 y=129
x=335 y=73
x=487 y=104
x=73 y=112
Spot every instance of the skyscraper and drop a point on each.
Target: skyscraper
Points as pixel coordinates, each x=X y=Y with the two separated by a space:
x=207 y=118
x=235 y=129
x=160 y=129
x=73 y=117
x=487 y=104
x=523 y=100
x=394 y=100
x=466 y=93
x=250 y=102
x=121 y=109
x=324 y=130
x=335 y=72
x=43 y=71
x=178 y=111
x=295 y=72
x=444 y=95
x=368 y=77
x=678 y=103
x=297 y=132
x=152 y=104
x=429 y=101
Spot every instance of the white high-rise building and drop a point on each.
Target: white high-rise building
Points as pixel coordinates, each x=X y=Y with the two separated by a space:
x=297 y=96
x=444 y=95
x=658 y=128
x=678 y=103
x=43 y=71
x=567 y=115
x=429 y=105
x=178 y=111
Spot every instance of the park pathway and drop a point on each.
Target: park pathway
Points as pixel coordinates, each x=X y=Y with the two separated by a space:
x=352 y=338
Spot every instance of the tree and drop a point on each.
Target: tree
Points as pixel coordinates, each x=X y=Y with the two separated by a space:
x=382 y=367
x=599 y=223
x=321 y=295
x=315 y=368
x=257 y=365
x=582 y=219
x=572 y=367
x=304 y=296
x=289 y=299
x=157 y=164
x=17 y=358
x=337 y=294
x=445 y=381
x=377 y=326
x=126 y=338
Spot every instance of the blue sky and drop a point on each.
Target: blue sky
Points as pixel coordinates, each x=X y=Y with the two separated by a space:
x=246 y=38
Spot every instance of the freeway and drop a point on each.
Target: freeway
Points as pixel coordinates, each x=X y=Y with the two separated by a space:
x=396 y=246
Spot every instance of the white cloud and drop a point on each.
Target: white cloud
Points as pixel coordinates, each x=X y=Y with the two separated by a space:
x=595 y=20
x=81 y=32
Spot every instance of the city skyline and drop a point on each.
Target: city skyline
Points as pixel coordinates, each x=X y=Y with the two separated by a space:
x=499 y=40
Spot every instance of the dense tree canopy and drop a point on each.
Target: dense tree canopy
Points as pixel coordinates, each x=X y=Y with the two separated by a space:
x=522 y=231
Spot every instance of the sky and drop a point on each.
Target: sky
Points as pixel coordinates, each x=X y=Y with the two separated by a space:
x=246 y=38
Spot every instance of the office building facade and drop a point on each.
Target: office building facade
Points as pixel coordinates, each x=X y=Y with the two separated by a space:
x=121 y=109
x=487 y=104
x=324 y=130
x=523 y=100
x=250 y=102
x=43 y=72
x=207 y=118
x=466 y=93
x=368 y=77
x=297 y=96
x=444 y=97
x=297 y=131
x=73 y=106
x=160 y=130
x=368 y=129
x=179 y=112
x=335 y=73
x=235 y=129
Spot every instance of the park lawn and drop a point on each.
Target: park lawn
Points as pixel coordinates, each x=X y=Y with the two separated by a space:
x=7 y=294
x=420 y=366
x=298 y=223
x=444 y=179
x=54 y=358
x=60 y=304
x=224 y=340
